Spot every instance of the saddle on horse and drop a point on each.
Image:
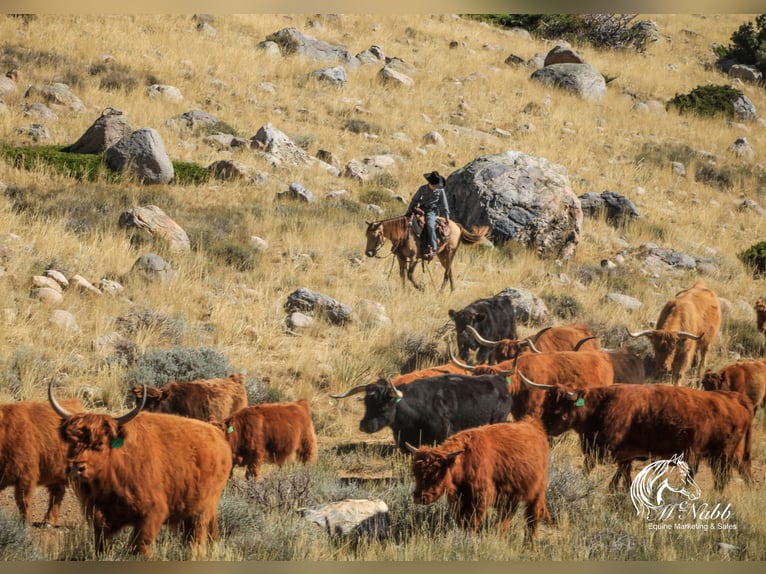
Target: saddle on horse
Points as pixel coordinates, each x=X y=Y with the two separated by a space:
x=418 y=227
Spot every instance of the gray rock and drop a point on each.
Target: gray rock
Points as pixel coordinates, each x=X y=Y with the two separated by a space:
x=141 y=154
x=745 y=73
x=35 y=132
x=55 y=94
x=298 y=191
x=305 y=300
x=581 y=79
x=46 y=295
x=40 y=112
x=152 y=268
x=617 y=208
x=626 y=301
x=193 y=119
x=521 y=198
x=350 y=516
x=292 y=41
x=528 y=307
x=165 y=92
x=158 y=225
x=106 y=131
x=296 y=321
x=279 y=147
x=744 y=109
x=336 y=76
x=390 y=76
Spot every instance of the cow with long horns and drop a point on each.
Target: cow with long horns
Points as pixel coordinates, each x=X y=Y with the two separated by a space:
x=145 y=470
x=637 y=422
x=427 y=411
x=33 y=454
x=685 y=331
x=571 y=369
x=561 y=338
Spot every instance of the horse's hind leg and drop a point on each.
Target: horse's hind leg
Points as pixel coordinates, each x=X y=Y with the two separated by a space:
x=446 y=257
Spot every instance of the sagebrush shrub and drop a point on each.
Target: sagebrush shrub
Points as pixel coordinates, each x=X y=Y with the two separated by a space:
x=160 y=366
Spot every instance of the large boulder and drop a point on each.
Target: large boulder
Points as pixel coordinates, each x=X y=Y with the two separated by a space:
x=521 y=198
x=583 y=79
x=292 y=41
x=158 y=225
x=106 y=131
x=143 y=155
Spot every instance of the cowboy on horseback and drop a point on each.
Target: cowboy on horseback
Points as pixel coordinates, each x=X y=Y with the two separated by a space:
x=429 y=199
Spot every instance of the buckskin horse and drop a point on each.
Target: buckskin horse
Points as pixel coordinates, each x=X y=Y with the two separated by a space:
x=404 y=245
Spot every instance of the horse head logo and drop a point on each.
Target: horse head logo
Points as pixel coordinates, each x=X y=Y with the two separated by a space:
x=659 y=479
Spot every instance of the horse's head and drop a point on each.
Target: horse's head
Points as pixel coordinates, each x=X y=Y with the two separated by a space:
x=663 y=478
x=375 y=238
x=678 y=478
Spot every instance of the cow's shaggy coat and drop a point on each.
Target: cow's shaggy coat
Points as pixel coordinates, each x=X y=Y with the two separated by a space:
x=33 y=454
x=499 y=465
x=271 y=432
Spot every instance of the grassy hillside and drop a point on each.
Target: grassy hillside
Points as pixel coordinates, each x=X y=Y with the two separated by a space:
x=228 y=297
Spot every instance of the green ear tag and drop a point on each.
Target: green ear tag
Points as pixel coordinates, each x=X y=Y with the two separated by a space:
x=117 y=442
x=230 y=429
x=580 y=402
x=680 y=343
x=508 y=381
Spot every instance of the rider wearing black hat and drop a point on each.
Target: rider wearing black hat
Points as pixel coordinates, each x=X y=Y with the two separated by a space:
x=430 y=198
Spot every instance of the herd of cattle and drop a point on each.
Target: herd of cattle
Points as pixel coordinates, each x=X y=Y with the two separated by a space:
x=453 y=418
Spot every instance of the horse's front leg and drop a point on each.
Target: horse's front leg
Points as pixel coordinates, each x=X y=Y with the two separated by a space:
x=410 y=271
x=402 y=269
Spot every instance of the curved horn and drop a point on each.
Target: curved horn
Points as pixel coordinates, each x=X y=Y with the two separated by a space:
x=479 y=339
x=529 y=383
x=121 y=420
x=687 y=335
x=348 y=393
x=455 y=360
x=581 y=342
x=410 y=447
x=531 y=345
x=453 y=454
x=394 y=391
x=640 y=333
x=62 y=412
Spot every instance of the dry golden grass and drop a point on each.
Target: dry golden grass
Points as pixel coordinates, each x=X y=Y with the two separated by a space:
x=315 y=247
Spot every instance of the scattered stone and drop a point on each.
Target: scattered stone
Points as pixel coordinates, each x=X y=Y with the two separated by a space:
x=350 y=516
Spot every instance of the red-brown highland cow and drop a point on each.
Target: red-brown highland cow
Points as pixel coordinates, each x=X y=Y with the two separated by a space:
x=202 y=399
x=33 y=454
x=271 y=432
x=144 y=470
x=499 y=465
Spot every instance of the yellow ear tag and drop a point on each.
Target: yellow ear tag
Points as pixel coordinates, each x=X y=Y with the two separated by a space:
x=117 y=442
x=580 y=402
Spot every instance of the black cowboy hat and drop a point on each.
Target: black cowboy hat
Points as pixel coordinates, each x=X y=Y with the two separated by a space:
x=434 y=178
